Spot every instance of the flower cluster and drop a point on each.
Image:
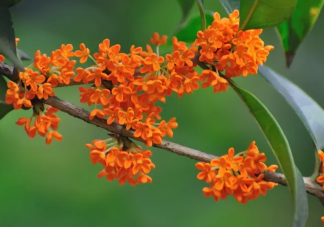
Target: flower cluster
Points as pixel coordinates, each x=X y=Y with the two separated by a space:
x=240 y=175
x=44 y=124
x=127 y=88
x=124 y=162
x=320 y=178
x=228 y=49
x=36 y=83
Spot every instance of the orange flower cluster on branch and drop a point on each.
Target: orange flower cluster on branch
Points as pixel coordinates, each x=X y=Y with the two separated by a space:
x=127 y=88
x=240 y=175
x=125 y=163
x=228 y=49
x=37 y=83
x=320 y=178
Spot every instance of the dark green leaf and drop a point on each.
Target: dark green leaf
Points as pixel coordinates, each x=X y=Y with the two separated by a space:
x=202 y=14
x=7 y=37
x=4 y=108
x=186 y=6
x=22 y=55
x=307 y=109
x=301 y=201
x=280 y=147
x=264 y=13
x=189 y=31
x=230 y=5
x=294 y=30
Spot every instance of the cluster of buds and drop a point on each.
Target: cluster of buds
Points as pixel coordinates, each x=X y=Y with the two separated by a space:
x=240 y=175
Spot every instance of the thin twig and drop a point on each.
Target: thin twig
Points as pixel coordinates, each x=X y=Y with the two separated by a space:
x=78 y=112
x=311 y=186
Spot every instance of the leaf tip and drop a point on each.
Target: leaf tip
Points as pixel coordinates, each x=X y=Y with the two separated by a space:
x=289 y=58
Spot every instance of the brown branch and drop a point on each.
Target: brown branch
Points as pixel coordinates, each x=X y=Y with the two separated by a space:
x=311 y=186
x=78 y=112
x=72 y=83
x=6 y=70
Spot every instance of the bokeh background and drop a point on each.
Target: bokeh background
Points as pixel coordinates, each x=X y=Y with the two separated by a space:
x=56 y=185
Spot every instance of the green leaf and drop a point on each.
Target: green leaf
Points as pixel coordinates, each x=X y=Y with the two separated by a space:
x=4 y=107
x=189 y=31
x=280 y=147
x=7 y=38
x=293 y=31
x=307 y=109
x=202 y=14
x=186 y=6
x=22 y=55
x=230 y=5
x=264 y=13
x=311 y=114
x=301 y=201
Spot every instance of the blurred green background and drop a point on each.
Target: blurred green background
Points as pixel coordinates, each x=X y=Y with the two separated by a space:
x=56 y=185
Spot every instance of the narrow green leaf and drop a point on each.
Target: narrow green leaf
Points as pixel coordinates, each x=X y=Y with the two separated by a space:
x=230 y=5
x=202 y=14
x=188 y=33
x=293 y=31
x=7 y=37
x=280 y=147
x=186 y=6
x=22 y=55
x=4 y=107
x=264 y=13
x=311 y=114
x=307 y=109
x=301 y=202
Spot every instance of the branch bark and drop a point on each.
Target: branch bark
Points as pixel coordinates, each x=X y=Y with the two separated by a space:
x=78 y=112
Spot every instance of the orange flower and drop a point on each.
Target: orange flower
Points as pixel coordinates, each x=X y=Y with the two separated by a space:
x=207 y=174
x=96 y=113
x=2 y=58
x=156 y=39
x=83 y=53
x=57 y=136
x=121 y=92
x=97 y=156
x=104 y=46
x=141 y=164
x=222 y=180
x=67 y=50
x=85 y=95
x=151 y=64
x=44 y=91
x=234 y=161
x=222 y=165
x=97 y=75
x=100 y=96
x=173 y=59
x=81 y=75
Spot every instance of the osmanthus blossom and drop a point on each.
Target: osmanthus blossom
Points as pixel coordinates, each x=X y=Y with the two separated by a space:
x=127 y=88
